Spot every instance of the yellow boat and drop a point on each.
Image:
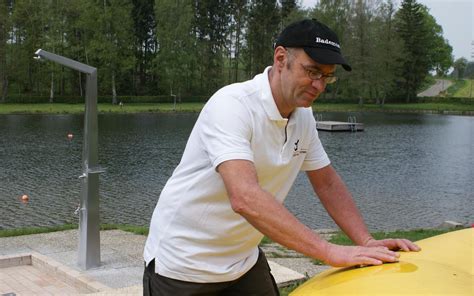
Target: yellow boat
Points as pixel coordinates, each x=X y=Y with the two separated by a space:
x=444 y=266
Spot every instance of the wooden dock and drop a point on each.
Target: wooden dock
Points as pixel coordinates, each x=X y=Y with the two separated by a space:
x=339 y=126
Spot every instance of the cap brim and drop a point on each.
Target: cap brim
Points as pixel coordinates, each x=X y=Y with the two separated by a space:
x=327 y=57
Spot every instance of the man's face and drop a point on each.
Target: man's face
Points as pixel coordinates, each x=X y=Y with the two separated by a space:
x=298 y=89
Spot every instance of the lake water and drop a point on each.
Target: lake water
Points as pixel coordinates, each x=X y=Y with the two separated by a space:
x=404 y=170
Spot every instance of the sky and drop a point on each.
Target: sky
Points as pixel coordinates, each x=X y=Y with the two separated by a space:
x=456 y=17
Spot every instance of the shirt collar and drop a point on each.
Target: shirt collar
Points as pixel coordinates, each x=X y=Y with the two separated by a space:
x=267 y=98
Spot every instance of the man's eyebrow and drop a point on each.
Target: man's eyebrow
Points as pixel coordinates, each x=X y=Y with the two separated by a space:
x=313 y=67
x=316 y=68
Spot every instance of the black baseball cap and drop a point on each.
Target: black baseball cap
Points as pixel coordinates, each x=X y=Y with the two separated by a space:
x=317 y=40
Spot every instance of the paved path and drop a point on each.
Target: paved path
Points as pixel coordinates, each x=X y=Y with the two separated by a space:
x=30 y=280
x=121 y=267
x=435 y=89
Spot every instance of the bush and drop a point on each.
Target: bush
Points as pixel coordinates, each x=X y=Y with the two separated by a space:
x=457 y=100
x=25 y=99
x=329 y=100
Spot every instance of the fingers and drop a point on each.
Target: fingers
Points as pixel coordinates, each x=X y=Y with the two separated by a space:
x=376 y=252
x=349 y=256
x=369 y=261
x=381 y=254
x=395 y=244
x=410 y=246
x=401 y=244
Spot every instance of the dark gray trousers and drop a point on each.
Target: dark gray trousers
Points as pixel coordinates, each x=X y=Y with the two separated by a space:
x=258 y=281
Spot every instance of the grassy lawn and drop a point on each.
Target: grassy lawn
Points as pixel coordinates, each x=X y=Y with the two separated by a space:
x=417 y=107
x=413 y=235
x=142 y=230
x=34 y=230
x=426 y=107
x=464 y=90
x=58 y=108
x=285 y=291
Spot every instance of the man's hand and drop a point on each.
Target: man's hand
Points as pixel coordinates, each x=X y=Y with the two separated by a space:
x=393 y=244
x=344 y=256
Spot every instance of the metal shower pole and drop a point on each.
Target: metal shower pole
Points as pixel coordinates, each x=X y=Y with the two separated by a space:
x=89 y=221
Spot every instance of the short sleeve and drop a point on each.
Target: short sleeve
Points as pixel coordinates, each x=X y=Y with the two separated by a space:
x=225 y=131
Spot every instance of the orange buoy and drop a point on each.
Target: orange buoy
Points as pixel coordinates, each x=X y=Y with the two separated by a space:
x=70 y=136
x=25 y=197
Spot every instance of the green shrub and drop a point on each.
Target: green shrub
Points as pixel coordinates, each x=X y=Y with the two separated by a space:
x=25 y=99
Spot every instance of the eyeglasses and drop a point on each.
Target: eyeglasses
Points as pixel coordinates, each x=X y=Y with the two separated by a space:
x=316 y=75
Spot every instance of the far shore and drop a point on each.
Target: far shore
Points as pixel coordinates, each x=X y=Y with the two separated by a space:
x=60 y=108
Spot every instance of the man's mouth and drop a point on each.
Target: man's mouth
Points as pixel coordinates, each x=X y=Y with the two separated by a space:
x=311 y=94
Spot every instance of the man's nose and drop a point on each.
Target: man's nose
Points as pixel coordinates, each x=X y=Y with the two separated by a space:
x=319 y=84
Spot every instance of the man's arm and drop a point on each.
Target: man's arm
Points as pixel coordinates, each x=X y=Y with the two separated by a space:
x=338 y=201
x=272 y=219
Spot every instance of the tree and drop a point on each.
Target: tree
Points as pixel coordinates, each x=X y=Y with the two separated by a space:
x=107 y=33
x=234 y=44
x=5 y=8
x=291 y=12
x=412 y=30
x=74 y=27
x=144 y=24
x=54 y=40
x=29 y=22
x=361 y=49
x=175 y=62
x=336 y=15
x=424 y=47
x=469 y=72
x=191 y=47
x=460 y=66
x=387 y=54
x=263 y=28
x=211 y=27
x=287 y=8
x=442 y=57
x=440 y=53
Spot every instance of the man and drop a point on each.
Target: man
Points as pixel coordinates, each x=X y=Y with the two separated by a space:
x=242 y=157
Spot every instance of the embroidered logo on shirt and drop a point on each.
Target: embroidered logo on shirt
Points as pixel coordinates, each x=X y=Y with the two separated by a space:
x=297 y=150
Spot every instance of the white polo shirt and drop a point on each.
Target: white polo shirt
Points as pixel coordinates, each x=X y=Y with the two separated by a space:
x=194 y=234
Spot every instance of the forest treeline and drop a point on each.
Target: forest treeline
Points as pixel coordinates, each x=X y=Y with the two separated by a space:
x=191 y=48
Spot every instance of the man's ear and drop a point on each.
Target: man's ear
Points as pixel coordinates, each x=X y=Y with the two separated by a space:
x=280 y=57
